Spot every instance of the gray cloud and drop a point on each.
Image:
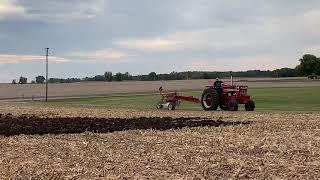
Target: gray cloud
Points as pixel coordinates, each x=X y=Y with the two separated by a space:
x=162 y=35
x=62 y=11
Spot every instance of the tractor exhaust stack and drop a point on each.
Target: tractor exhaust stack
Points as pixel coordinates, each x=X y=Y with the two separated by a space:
x=231 y=78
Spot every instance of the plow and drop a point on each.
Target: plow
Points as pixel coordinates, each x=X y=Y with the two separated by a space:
x=225 y=97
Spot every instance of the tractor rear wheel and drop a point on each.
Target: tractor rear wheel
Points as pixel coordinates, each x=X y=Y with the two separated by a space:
x=171 y=106
x=233 y=105
x=210 y=99
x=250 y=106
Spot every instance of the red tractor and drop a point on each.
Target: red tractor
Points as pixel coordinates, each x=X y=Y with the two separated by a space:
x=227 y=97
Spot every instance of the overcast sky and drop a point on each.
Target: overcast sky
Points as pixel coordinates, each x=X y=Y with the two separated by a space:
x=89 y=37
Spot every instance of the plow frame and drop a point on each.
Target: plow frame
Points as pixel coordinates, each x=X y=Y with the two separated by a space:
x=171 y=100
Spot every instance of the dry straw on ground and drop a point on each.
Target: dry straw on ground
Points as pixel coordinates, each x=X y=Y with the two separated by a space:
x=273 y=146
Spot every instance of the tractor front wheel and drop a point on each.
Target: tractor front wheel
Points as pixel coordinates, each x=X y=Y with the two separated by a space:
x=210 y=99
x=250 y=106
x=233 y=105
x=223 y=107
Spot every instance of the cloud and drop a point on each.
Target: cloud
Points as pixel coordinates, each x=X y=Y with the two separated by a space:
x=275 y=35
x=10 y=59
x=312 y=49
x=155 y=44
x=62 y=11
x=259 y=62
x=285 y=34
x=166 y=35
x=9 y=7
x=102 y=55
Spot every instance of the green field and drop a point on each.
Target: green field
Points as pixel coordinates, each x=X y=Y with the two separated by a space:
x=267 y=99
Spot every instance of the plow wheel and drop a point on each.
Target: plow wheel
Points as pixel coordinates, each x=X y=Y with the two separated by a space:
x=159 y=105
x=210 y=99
x=171 y=106
x=233 y=105
x=250 y=106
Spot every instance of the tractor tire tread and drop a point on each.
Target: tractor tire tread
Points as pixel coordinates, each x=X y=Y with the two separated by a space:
x=215 y=104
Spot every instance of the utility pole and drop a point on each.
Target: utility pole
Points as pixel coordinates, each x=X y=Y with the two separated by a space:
x=47 y=54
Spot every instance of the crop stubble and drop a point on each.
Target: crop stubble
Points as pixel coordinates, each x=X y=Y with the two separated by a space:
x=274 y=145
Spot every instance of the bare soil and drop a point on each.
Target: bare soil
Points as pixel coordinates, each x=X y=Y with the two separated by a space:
x=31 y=125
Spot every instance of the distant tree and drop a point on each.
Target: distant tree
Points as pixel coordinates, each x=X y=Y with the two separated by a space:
x=173 y=75
x=99 y=78
x=152 y=76
x=23 y=80
x=108 y=76
x=68 y=80
x=118 y=77
x=195 y=75
x=33 y=82
x=14 y=81
x=129 y=76
x=126 y=76
x=286 y=72
x=52 y=80
x=309 y=65
x=317 y=68
x=206 y=75
x=40 y=79
x=189 y=75
x=88 y=79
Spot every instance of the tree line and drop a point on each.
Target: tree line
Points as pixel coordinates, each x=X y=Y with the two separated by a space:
x=309 y=66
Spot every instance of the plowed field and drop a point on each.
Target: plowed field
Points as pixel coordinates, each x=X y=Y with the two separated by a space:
x=38 y=142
